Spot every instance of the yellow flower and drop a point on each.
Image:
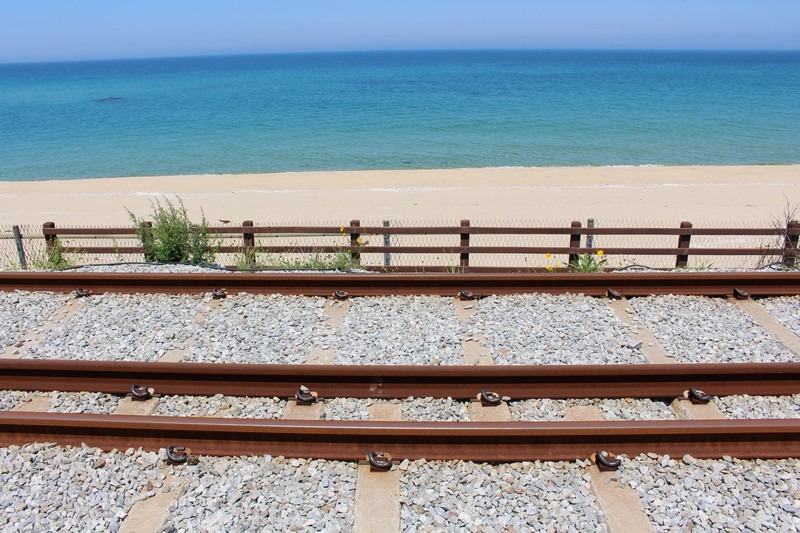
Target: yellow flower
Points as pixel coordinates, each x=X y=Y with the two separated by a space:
x=358 y=240
x=547 y=255
x=548 y=268
x=341 y=229
x=600 y=253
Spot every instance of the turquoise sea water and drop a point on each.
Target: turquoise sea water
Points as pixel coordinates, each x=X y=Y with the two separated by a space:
x=388 y=110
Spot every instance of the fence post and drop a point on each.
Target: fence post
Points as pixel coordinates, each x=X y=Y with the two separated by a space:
x=20 y=250
x=249 y=244
x=790 y=243
x=464 y=257
x=147 y=230
x=355 y=246
x=574 y=242
x=49 y=240
x=682 y=260
x=589 y=236
x=387 y=257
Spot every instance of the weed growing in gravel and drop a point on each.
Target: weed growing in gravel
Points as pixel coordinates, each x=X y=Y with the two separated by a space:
x=54 y=258
x=344 y=259
x=589 y=262
x=173 y=238
x=775 y=252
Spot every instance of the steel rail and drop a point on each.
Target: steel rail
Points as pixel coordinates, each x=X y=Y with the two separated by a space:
x=443 y=284
x=506 y=441
x=387 y=381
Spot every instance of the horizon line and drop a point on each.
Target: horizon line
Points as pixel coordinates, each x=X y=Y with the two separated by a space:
x=403 y=50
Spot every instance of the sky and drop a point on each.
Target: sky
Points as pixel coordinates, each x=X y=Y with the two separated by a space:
x=58 y=30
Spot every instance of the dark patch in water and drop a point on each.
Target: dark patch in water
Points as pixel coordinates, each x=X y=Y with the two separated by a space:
x=111 y=99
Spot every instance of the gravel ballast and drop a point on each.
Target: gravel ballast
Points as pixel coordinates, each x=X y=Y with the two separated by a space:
x=50 y=488
x=547 y=409
x=121 y=327
x=411 y=409
x=716 y=495
x=9 y=399
x=466 y=496
x=745 y=406
x=400 y=330
x=219 y=405
x=786 y=310
x=268 y=329
x=553 y=329
x=94 y=403
x=22 y=312
x=695 y=329
x=265 y=494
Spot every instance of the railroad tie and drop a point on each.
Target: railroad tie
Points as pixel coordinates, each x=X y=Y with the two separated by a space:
x=652 y=350
x=377 y=500
x=474 y=347
x=335 y=309
x=760 y=315
x=150 y=514
x=622 y=509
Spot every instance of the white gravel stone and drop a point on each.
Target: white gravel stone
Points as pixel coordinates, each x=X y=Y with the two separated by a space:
x=553 y=329
x=271 y=329
x=411 y=409
x=266 y=494
x=9 y=399
x=149 y=268
x=121 y=327
x=434 y=410
x=546 y=409
x=94 y=403
x=219 y=405
x=785 y=309
x=22 y=312
x=716 y=495
x=400 y=330
x=745 y=406
x=349 y=409
x=49 y=488
x=466 y=496
x=696 y=329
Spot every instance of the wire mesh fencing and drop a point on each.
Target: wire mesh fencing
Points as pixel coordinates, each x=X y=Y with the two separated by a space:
x=420 y=245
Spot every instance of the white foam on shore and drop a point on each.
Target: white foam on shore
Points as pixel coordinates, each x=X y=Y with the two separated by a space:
x=400 y=190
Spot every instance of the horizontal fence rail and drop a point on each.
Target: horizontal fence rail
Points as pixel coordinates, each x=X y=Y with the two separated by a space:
x=458 y=242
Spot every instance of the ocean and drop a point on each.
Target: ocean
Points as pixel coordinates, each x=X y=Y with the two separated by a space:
x=397 y=110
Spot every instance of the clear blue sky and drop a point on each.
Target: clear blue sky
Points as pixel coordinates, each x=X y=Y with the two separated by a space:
x=42 y=30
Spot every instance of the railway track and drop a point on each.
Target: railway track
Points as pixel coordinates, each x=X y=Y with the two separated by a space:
x=352 y=441
x=489 y=439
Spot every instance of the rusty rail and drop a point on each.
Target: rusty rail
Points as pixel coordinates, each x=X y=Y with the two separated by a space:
x=458 y=382
x=517 y=441
x=375 y=284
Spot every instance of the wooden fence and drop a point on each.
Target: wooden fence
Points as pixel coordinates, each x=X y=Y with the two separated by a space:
x=783 y=249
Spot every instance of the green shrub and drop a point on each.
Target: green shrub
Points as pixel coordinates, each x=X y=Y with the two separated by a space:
x=173 y=238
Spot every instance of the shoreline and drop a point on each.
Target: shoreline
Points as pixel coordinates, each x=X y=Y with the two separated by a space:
x=723 y=194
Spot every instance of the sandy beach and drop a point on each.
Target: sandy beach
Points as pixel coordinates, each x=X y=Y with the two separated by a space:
x=699 y=194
